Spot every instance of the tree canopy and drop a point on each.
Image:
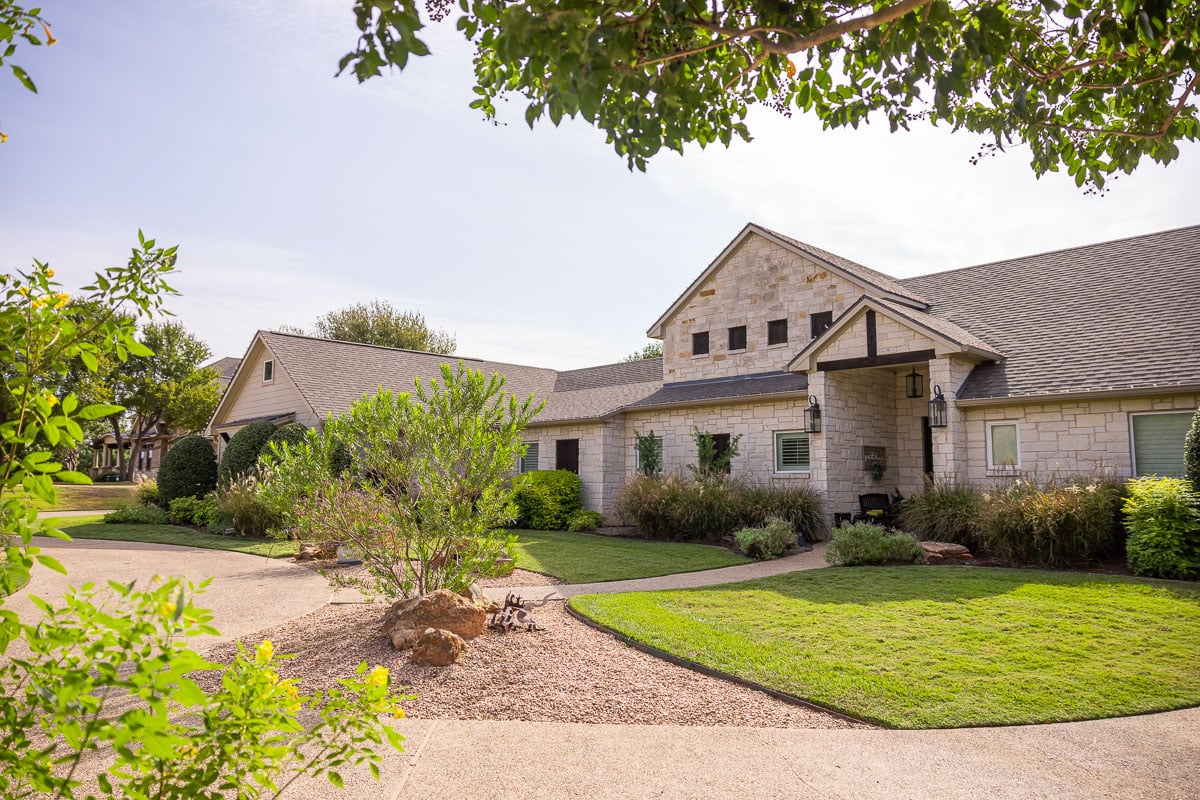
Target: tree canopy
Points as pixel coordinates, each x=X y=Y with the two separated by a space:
x=648 y=351
x=1092 y=86
x=378 y=322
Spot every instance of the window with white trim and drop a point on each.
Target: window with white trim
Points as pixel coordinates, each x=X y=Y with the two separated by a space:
x=529 y=461
x=268 y=371
x=791 y=451
x=1003 y=446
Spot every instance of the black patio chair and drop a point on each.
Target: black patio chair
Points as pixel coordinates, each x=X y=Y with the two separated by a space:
x=878 y=508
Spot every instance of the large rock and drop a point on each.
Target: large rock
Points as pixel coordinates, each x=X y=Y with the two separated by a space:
x=437 y=648
x=479 y=597
x=945 y=553
x=407 y=619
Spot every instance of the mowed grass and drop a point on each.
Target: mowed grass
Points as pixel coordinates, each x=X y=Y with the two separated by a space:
x=95 y=497
x=589 y=558
x=94 y=528
x=933 y=647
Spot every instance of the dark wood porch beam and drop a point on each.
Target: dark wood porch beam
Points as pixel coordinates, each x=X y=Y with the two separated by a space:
x=888 y=360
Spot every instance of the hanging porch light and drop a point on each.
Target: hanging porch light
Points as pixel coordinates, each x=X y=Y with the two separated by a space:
x=914 y=384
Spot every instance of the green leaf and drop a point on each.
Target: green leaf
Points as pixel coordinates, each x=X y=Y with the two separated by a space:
x=89 y=360
x=51 y=563
x=69 y=476
x=99 y=411
x=24 y=78
x=138 y=349
x=336 y=780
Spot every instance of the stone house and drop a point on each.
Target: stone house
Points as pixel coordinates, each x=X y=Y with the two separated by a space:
x=1078 y=361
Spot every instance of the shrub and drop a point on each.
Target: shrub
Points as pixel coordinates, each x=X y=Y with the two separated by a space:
x=545 y=499
x=239 y=504
x=1056 y=525
x=138 y=515
x=189 y=469
x=649 y=451
x=1164 y=528
x=1191 y=452
x=201 y=511
x=584 y=520
x=241 y=454
x=146 y=493
x=799 y=505
x=945 y=512
x=710 y=463
x=292 y=434
x=855 y=544
x=768 y=541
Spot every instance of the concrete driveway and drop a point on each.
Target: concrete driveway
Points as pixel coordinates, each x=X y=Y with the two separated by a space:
x=247 y=594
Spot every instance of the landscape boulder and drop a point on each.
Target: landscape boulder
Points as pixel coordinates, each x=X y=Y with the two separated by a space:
x=407 y=619
x=437 y=648
x=316 y=552
x=480 y=598
x=945 y=553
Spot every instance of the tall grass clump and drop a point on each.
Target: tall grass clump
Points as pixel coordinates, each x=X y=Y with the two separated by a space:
x=799 y=505
x=1059 y=524
x=945 y=512
x=241 y=506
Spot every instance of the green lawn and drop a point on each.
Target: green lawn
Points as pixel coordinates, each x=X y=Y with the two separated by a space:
x=96 y=497
x=588 y=558
x=932 y=647
x=95 y=528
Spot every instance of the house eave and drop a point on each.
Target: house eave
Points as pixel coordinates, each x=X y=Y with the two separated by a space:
x=1085 y=394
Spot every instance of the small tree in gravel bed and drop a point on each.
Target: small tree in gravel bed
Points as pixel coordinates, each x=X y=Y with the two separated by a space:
x=428 y=490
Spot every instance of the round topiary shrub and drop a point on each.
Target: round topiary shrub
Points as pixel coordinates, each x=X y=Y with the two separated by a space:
x=241 y=454
x=292 y=435
x=189 y=469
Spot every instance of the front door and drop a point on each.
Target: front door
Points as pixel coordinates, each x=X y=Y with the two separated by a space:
x=566 y=455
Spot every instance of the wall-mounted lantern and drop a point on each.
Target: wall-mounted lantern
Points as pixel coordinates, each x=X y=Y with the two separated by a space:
x=812 y=416
x=914 y=384
x=937 y=409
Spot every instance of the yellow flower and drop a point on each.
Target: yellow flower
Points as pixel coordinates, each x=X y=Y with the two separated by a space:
x=166 y=609
x=49 y=272
x=265 y=651
x=397 y=712
x=3 y=137
x=378 y=676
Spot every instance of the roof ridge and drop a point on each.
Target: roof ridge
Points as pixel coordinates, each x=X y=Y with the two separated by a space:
x=638 y=361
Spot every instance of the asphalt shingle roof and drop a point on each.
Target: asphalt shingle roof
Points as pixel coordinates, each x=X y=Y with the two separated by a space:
x=1103 y=317
x=725 y=389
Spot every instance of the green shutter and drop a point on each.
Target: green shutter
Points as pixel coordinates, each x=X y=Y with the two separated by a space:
x=1158 y=443
x=791 y=452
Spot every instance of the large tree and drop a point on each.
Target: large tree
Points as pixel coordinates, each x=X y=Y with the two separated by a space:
x=378 y=322
x=1093 y=86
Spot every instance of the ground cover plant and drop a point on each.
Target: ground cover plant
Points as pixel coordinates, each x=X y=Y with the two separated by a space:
x=95 y=528
x=936 y=647
x=859 y=543
x=585 y=558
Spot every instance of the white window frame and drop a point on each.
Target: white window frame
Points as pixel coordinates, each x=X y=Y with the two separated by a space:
x=791 y=470
x=1132 y=444
x=268 y=364
x=537 y=454
x=991 y=464
x=637 y=455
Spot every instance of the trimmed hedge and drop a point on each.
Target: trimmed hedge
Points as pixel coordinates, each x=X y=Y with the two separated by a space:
x=546 y=499
x=241 y=454
x=189 y=469
x=1164 y=528
x=293 y=435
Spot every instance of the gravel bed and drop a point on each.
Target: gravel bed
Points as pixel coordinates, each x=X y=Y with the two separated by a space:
x=567 y=673
x=519 y=577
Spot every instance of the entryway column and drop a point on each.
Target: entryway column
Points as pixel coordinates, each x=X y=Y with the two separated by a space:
x=950 y=442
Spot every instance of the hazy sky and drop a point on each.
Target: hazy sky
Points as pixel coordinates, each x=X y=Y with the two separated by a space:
x=218 y=126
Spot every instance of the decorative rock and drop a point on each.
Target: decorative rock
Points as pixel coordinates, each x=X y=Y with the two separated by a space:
x=407 y=619
x=480 y=598
x=437 y=648
x=945 y=553
x=316 y=552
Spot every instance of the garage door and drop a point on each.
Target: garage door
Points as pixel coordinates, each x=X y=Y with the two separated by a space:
x=1158 y=443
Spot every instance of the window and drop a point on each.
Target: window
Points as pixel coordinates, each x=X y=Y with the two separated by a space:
x=737 y=338
x=268 y=371
x=1002 y=446
x=566 y=455
x=721 y=447
x=637 y=454
x=700 y=344
x=529 y=461
x=1158 y=443
x=791 y=451
x=821 y=322
x=777 y=332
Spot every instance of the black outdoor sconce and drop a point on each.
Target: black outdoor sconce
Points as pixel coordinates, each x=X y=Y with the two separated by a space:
x=937 y=409
x=812 y=416
x=914 y=385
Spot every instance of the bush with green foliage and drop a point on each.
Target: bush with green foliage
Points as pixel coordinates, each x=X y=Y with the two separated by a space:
x=945 y=512
x=709 y=462
x=1058 y=524
x=649 y=452
x=1191 y=452
x=582 y=520
x=146 y=493
x=798 y=504
x=189 y=469
x=1164 y=528
x=240 y=505
x=202 y=511
x=293 y=435
x=861 y=543
x=138 y=515
x=767 y=542
x=241 y=454
x=546 y=498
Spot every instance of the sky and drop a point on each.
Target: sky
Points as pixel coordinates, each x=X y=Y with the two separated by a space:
x=217 y=125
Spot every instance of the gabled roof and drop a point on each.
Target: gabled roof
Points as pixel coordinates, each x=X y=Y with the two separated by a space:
x=1113 y=316
x=949 y=337
x=725 y=389
x=224 y=367
x=884 y=285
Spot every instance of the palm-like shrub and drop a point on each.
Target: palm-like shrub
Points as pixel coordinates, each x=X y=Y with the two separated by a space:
x=189 y=469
